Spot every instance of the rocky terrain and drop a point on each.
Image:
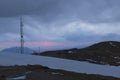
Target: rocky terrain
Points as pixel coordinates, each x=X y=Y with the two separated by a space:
x=107 y=52
x=37 y=72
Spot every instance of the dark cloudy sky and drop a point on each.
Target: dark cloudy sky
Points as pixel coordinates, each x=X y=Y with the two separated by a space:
x=59 y=23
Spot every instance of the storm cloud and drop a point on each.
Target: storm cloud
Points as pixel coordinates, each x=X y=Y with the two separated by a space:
x=88 y=10
x=60 y=21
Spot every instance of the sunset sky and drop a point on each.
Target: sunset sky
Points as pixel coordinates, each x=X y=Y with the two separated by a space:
x=59 y=24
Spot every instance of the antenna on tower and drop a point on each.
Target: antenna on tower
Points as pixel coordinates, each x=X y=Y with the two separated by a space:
x=21 y=36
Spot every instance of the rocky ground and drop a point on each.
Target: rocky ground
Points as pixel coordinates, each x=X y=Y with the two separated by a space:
x=105 y=53
x=37 y=72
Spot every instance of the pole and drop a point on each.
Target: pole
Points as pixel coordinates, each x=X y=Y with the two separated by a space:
x=21 y=35
x=39 y=49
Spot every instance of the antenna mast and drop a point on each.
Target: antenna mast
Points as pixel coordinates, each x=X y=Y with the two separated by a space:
x=21 y=36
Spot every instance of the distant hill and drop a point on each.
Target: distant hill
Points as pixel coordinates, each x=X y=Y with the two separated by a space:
x=17 y=50
x=107 y=52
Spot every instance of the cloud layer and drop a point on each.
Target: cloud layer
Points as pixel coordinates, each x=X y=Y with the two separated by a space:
x=73 y=22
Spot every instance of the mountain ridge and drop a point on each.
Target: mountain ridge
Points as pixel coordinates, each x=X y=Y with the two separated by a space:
x=17 y=50
x=107 y=52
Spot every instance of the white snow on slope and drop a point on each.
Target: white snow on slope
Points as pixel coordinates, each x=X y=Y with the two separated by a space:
x=7 y=59
x=112 y=44
x=18 y=78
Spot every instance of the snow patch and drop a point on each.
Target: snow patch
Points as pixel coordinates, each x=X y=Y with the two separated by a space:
x=117 y=57
x=91 y=60
x=112 y=44
x=70 y=52
x=17 y=78
x=56 y=73
x=118 y=62
x=7 y=59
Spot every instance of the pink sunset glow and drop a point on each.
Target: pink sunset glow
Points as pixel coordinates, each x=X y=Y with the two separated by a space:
x=30 y=44
x=43 y=43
